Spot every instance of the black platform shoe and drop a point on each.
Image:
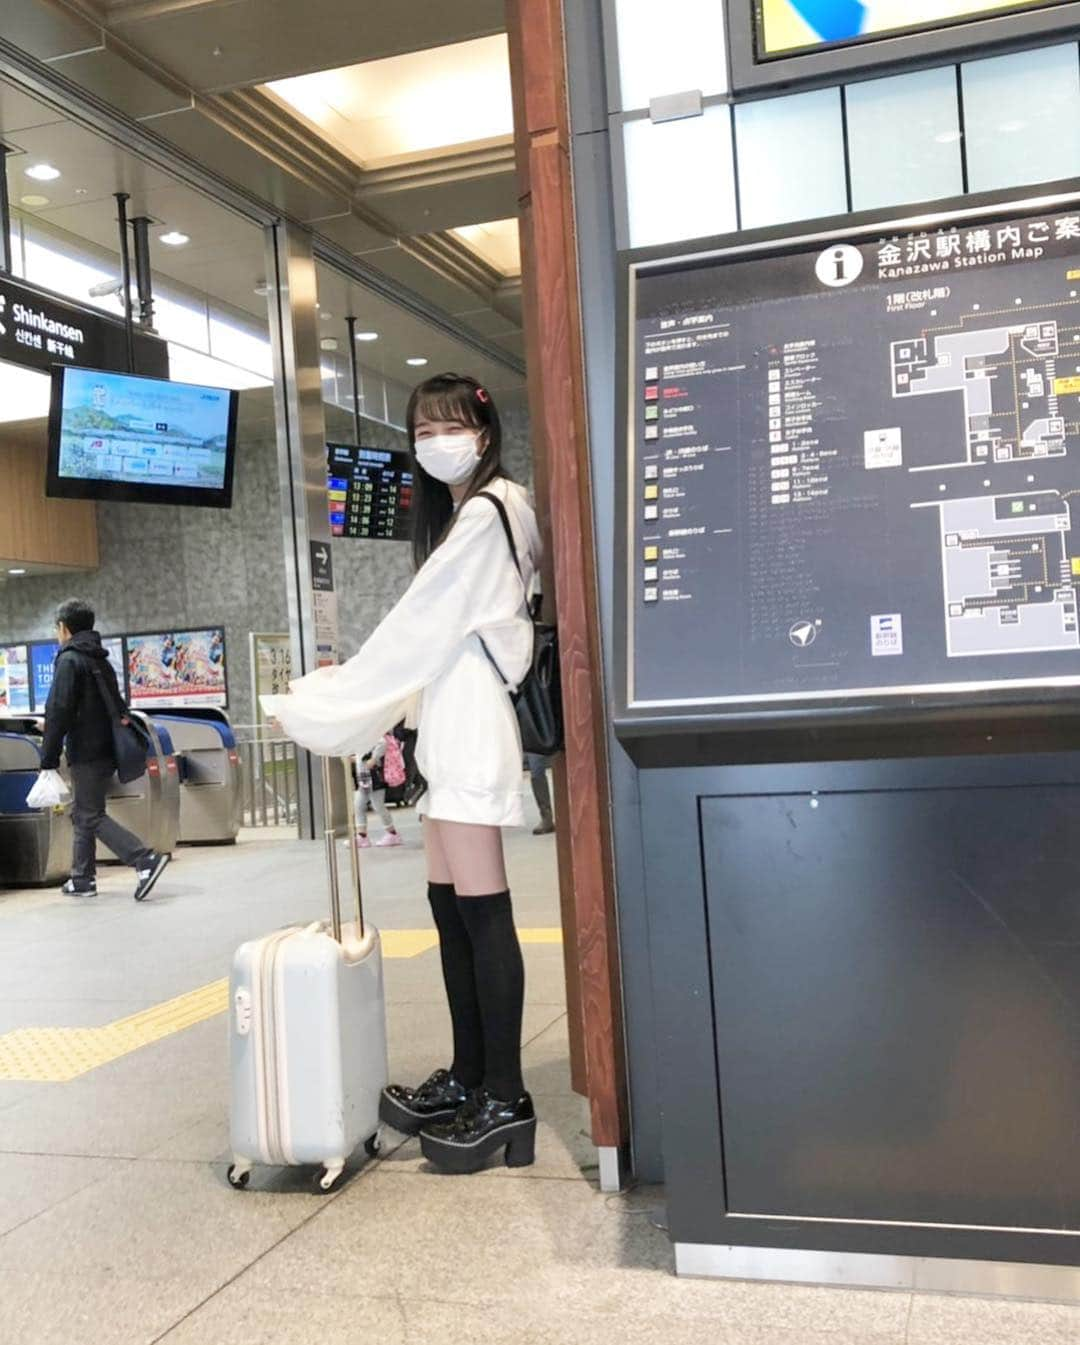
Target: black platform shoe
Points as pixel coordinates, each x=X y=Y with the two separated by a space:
x=437 y=1099
x=481 y=1128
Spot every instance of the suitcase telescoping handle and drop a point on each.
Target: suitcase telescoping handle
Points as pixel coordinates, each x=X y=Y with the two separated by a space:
x=331 y=835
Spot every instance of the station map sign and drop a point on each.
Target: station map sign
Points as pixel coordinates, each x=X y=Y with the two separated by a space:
x=854 y=466
x=786 y=27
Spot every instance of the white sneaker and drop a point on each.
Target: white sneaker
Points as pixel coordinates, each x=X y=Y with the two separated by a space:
x=389 y=838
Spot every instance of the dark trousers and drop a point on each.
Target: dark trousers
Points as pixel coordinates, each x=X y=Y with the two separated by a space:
x=538 y=769
x=89 y=783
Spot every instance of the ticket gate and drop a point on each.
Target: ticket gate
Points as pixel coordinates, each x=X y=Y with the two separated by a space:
x=35 y=843
x=150 y=805
x=211 y=792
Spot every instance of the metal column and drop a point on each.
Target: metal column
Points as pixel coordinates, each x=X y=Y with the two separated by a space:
x=301 y=437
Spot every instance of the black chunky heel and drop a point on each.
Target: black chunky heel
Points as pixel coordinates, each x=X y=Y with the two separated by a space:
x=521 y=1149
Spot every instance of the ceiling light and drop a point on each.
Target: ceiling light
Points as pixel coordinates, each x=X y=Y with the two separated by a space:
x=326 y=317
x=16 y=571
x=175 y=239
x=328 y=343
x=367 y=336
x=33 y=201
x=43 y=172
x=416 y=361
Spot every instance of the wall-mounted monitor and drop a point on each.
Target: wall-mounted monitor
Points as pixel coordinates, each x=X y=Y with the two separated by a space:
x=369 y=492
x=140 y=440
x=784 y=41
x=15 y=680
x=852 y=477
x=176 y=669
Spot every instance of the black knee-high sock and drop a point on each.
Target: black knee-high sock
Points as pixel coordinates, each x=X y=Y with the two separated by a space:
x=455 y=948
x=500 y=986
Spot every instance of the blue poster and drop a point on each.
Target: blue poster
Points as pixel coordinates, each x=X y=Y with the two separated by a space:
x=41 y=672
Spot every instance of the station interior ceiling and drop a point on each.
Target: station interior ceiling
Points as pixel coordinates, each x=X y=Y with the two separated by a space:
x=387 y=131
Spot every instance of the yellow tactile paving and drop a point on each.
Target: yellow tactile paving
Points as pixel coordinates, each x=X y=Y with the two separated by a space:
x=60 y=1054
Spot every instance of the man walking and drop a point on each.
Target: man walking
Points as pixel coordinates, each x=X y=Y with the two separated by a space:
x=79 y=718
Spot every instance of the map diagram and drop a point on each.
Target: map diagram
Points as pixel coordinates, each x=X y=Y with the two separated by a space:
x=1009 y=582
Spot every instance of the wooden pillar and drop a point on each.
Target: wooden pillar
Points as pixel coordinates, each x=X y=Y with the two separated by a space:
x=558 y=419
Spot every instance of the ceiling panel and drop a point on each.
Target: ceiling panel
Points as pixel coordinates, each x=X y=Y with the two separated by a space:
x=18 y=111
x=263 y=40
x=352 y=234
x=433 y=206
x=210 y=144
x=115 y=80
x=46 y=31
x=418 y=275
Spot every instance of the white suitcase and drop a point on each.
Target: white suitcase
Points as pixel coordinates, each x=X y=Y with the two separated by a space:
x=308 y=1039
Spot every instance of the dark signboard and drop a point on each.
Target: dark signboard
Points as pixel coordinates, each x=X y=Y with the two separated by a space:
x=38 y=331
x=370 y=492
x=854 y=467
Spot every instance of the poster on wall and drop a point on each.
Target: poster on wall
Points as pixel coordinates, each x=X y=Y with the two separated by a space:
x=114 y=647
x=784 y=27
x=15 y=680
x=271 y=667
x=42 y=656
x=177 y=669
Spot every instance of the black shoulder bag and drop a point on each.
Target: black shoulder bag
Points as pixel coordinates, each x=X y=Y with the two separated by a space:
x=538 y=701
x=131 y=742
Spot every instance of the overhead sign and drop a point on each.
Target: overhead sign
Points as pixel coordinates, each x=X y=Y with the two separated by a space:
x=855 y=467
x=38 y=331
x=788 y=26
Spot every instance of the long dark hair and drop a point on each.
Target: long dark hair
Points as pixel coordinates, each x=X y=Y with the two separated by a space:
x=449 y=397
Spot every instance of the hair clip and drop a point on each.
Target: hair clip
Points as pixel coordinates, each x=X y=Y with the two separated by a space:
x=481 y=396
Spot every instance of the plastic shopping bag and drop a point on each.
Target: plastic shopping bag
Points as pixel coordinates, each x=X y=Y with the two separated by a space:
x=48 y=791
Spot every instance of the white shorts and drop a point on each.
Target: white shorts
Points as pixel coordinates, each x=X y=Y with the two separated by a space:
x=468 y=746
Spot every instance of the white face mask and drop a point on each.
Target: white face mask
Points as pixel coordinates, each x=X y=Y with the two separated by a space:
x=450 y=458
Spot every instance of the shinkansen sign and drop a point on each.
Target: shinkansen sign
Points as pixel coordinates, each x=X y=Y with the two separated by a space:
x=38 y=331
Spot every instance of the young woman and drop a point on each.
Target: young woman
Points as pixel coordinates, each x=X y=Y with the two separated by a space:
x=468 y=594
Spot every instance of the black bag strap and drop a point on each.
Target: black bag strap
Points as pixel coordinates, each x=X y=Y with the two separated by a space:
x=110 y=694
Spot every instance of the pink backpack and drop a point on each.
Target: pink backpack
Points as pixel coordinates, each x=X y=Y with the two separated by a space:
x=393 y=762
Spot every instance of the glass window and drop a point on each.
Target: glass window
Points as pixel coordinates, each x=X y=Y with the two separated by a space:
x=904 y=139
x=192 y=366
x=181 y=318
x=241 y=343
x=680 y=178
x=791 y=158
x=58 y=267
x=655 y=55
x=1022 y=117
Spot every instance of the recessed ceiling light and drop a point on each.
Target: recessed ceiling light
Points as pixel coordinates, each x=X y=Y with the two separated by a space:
x=328 y=343
x=367 y=336
x=33 y=201
x=43 y=172
x=416 y=361
x=175 y=239
x=16 y=571
x=326 y=317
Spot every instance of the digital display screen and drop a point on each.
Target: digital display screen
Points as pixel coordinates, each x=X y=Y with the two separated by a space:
x=369 y=492
x=176 y=669
x=116 y=436
x=15 y=680
x=855 y=467
x=786 y=27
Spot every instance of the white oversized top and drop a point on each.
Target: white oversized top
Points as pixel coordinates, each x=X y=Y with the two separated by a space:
x=468 y=746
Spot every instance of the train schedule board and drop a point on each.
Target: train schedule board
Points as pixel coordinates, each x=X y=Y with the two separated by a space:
x=853 y=470
x=370 y=492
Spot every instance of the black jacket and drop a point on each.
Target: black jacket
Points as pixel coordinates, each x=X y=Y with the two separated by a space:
x=76 y=716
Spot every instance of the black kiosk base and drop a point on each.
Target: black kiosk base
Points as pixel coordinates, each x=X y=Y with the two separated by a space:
x=848 y=668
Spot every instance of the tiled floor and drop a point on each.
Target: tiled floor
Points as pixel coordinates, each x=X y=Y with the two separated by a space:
x=117 y=1226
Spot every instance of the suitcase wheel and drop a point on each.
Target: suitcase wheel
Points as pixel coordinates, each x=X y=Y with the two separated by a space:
x=327 y=1179
x=239 y=1177
x=373 y=1145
